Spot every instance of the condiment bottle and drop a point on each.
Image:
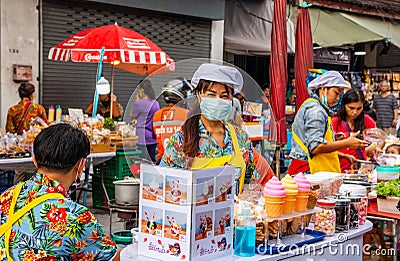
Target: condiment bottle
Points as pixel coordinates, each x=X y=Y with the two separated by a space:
x=245 y=232
x=325 y=219
x=51 y=114
x=58 y=113
x=342 y=209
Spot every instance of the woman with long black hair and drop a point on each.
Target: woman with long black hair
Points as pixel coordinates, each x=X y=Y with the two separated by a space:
x=206 y=140
x=350 y=119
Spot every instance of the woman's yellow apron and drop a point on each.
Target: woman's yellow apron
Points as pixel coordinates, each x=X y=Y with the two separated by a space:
x=324 y=161
x=234 y=159
x=6 y=228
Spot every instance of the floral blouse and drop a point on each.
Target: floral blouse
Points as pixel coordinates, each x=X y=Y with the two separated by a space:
x=16 y=113
x=174 y=156
x=58 y=229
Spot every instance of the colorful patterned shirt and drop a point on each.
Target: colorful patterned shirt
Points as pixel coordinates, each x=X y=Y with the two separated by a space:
x=57 y=229
x=16 y=113
x=174 y=156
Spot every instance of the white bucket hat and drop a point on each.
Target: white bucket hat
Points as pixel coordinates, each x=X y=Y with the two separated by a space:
x=219 y=73
x=328 y=79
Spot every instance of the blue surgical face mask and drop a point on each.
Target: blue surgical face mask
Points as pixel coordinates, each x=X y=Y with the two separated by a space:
x=215 y=109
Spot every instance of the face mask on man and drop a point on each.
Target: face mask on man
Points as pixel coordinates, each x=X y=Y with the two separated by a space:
x=215 y=109
x=105 y=103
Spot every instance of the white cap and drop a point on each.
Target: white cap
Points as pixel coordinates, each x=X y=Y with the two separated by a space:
x=328 y=79
x=103 y=86
x=219 y=73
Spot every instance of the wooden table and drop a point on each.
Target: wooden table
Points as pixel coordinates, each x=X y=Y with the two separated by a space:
x=373 y=213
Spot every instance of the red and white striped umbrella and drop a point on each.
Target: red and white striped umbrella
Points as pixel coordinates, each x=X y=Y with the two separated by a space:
x=123 y=48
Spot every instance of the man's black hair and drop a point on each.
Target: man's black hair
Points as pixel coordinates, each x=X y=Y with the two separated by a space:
x=59 y=147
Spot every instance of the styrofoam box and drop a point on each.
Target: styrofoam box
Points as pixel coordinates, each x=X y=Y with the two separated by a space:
x=253 y=129
x=388 y=205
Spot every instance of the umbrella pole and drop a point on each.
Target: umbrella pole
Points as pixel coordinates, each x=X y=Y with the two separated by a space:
x=277 y=160
x=112 y=91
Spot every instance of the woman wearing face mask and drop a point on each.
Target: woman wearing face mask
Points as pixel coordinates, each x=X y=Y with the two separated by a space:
x=314 y=147
x=351 y=119
x=206 y=140
x=38 y=218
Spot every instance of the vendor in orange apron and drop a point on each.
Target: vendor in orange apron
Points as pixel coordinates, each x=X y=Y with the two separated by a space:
x=206 y=140
x=170 y=118
x=314 y=147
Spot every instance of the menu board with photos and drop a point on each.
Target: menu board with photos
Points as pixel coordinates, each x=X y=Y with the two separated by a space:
x=186 y=215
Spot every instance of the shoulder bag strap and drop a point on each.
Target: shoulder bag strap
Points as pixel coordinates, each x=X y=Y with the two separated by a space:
x=5 y=229
x=21 y=122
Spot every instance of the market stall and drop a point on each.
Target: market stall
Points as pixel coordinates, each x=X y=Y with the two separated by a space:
x=328 y=249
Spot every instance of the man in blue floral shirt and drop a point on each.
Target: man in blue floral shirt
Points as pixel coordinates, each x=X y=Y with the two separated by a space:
x=38 y=220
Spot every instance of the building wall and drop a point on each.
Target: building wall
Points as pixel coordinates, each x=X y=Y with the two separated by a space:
x=19 y=44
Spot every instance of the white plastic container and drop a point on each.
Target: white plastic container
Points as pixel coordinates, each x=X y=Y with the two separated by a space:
x=355 y=190
x=386 y=173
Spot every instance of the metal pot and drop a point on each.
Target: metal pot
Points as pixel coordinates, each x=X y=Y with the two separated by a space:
x=127 y=191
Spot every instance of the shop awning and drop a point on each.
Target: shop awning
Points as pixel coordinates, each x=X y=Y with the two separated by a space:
x=248 y=26
x=336 y=29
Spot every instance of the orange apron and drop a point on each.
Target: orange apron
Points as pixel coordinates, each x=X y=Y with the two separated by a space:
x=324 y=161
x=6 y=228
x=234 y=159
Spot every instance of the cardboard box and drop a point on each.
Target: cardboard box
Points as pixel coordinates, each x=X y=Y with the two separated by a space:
x=186 y=215
x=104 y=147
x=388 y=204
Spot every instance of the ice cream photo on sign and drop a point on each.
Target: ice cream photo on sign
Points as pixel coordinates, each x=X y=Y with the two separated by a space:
x=204 y=191
x=151 y=222
x=222 y=221
x=223 y=188
x=203 y=225
x=175 y=190
x=175 y=225
x=152 y=187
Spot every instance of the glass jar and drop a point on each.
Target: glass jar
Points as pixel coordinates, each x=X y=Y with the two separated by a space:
x=354 y=210
x=325 y=219
x=342 y=209
x=362 y=211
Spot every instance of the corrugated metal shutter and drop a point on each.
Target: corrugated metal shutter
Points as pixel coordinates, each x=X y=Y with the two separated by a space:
x=72 y=84
x=388 y=57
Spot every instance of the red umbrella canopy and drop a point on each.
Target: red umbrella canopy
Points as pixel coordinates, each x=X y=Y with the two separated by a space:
x=278 y=72
x=304 y=58
x=126 y=49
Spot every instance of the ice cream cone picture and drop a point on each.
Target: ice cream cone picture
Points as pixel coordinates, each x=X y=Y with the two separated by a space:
x=153 y=187
x=291 y=193
x=274 y=195
x=302 y=197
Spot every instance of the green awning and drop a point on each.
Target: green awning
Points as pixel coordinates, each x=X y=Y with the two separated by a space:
x=337 y=29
